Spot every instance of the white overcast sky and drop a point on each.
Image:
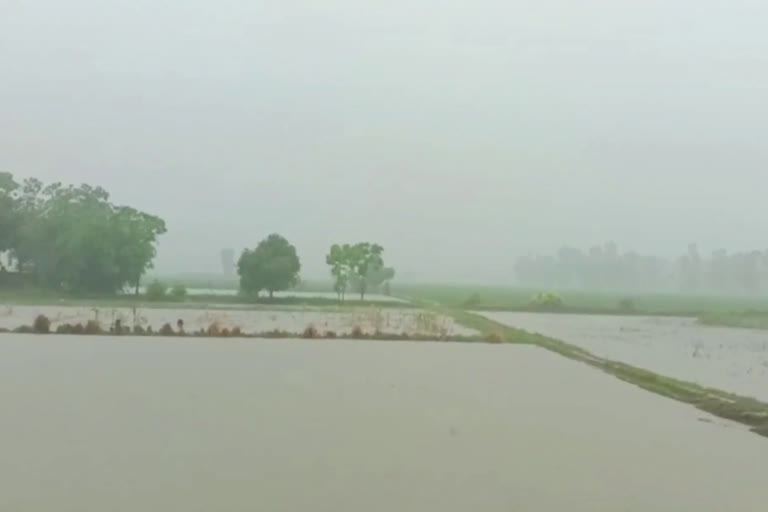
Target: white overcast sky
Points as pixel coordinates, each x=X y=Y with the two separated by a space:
x=457 y=134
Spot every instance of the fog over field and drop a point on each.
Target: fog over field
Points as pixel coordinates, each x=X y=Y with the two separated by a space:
x=459 y=138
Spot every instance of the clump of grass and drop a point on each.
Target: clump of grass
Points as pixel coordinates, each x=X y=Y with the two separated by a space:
x=93 y=327
x=330 y=334
x=119 y=328
x=275 y=333
x=310 y=332
x=214 y=329
x=357 y=332
x=138 y=330
x=546 y=301
x=156 y=291
x=472 y=301
x=24 y=329
x=494 y=337
x=166 y=330
x=224 y=333
x=236 y=331
x=41 y=325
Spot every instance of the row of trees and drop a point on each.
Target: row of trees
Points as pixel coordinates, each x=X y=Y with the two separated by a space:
x=359 y=267
x=73 y=238
x=605 y=267
x=273 y=265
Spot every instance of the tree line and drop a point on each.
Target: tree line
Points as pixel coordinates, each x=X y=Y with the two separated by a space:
x=274 y=265
x=605 y=267
x=74 y=239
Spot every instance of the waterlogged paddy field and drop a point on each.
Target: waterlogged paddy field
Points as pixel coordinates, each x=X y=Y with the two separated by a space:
x=726 y=358
x=124 y=424
x=294 y=320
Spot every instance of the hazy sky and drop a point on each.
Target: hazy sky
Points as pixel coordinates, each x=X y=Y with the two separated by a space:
x=457 y=134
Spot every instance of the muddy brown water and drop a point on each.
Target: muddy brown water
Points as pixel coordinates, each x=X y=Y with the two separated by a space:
x=126 y=424
x=726 y=358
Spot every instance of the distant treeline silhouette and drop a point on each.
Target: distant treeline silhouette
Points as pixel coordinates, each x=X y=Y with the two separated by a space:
x=605 y=267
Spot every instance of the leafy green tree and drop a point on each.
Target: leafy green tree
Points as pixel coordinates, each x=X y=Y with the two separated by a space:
x=75 y=239
x=357 y=264
x=376 y=278
x=339 y=259
x=273 y=266
x=365 y=258
x=8 y=211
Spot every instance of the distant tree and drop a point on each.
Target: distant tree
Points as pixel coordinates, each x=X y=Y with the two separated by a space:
x=156 y=291
x=273 y=266
x=75 y=239
x=359 y=265
x=376 y=277
x=366 y=258
x=339 y=259
x=178 y=292
x=8 y=211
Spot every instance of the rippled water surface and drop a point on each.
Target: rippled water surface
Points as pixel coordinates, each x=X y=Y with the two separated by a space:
x=727 y=358
x=127 y=424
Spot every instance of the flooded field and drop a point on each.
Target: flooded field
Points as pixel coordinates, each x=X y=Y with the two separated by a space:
x=394 y=320
x=726 y=358
x=346 y=426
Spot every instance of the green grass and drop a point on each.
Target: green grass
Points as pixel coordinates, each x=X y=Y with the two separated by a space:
x=504 y=298
x=746 y=319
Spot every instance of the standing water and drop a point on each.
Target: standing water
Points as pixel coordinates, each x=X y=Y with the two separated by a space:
x=126 y=424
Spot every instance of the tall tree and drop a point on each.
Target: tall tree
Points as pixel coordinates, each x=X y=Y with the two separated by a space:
x=74 y=239
x=273 y=266
x=8 y=211
x=354 y=262
x=339 y=259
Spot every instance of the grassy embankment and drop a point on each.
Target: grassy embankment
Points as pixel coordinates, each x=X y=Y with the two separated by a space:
x=746 y=410
x=747 y=319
